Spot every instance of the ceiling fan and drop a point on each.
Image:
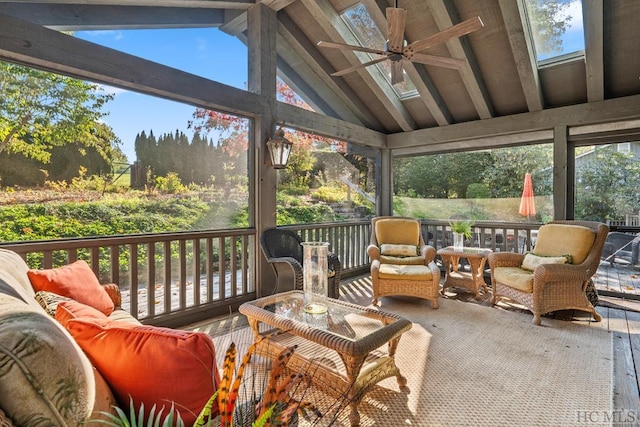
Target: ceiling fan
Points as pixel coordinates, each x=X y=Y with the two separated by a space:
x=397 y=50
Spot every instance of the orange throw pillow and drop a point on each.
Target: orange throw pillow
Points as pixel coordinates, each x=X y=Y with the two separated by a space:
x=68 y=310
x=152 y=365
x=76 y=281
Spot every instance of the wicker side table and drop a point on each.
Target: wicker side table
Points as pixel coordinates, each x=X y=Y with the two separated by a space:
x=472 y=280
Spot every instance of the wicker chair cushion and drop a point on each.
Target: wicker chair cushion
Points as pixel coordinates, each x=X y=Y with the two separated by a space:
x=407 y=260
x=398 y=231
x=404 y=272
x=398 y=250
x=515 y=277
x=563 y=239
x=531 y=261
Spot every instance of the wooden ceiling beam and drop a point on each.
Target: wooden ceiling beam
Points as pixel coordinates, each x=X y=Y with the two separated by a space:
x=592 y=113
x=325 y=16
x=593 y=20
x=319 y=124
x=514 y=17
x=78 y=17
x=40 y=47
x=487 y=142
x=428 y=92
x=236 y=24
x=445 y=16
x=205 y=4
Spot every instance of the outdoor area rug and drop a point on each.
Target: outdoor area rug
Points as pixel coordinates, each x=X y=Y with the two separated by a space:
x=473 y=365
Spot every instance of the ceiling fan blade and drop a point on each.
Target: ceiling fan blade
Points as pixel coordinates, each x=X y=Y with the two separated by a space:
x=396 y=19
x=349 y=47
x=440 y=61
x=357 y=67
x=397 y=75
x=458 y=30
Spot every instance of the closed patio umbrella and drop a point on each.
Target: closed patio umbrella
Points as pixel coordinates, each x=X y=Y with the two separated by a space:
x=527 y=203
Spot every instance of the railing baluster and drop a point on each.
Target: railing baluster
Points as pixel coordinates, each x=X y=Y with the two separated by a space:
x=151 y=280
x=195 y=244
x=133 y=278
x=182 y=283
x=222 y=269
x=234 y=266
x=115 y=264
x=209 y=269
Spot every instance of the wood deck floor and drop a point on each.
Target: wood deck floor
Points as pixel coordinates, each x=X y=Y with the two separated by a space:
x=619 y=289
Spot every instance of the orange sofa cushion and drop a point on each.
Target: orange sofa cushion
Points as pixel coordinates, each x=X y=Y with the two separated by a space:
x=152 y=365
x=76 y=281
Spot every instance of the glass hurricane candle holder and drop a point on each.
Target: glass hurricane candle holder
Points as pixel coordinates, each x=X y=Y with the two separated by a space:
x=315 y=268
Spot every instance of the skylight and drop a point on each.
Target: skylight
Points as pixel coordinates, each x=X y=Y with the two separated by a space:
x=556 y=29
x=369 y=35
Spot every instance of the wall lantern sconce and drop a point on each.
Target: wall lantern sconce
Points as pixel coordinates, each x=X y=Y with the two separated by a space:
x=279 y=149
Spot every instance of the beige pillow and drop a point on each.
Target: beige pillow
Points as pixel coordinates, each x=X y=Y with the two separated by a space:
x=398 y=250
x=531 y=261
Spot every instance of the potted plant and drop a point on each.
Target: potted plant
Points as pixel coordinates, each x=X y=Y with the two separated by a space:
x=461 y=230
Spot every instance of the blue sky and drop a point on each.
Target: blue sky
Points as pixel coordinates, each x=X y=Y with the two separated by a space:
x=206 y=52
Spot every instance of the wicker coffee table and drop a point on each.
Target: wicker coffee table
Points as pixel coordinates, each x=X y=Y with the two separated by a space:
x=473 y=279
x=350 y=334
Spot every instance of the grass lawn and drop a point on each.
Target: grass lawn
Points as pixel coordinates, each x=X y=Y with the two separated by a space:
x=475 y=209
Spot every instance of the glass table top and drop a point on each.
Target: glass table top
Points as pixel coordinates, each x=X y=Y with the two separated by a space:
x=345 y=320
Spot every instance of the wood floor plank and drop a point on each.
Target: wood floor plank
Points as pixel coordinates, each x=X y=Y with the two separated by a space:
x=633 y=320
x=625 y=384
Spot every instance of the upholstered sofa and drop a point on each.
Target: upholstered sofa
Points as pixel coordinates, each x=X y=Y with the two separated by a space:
x=66 y=359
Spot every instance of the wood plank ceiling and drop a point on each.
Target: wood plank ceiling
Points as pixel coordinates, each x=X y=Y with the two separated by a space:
x=501 y=77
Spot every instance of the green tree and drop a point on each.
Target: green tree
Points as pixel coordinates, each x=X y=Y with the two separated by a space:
x=439 y=176
x=509 y=165
x=607 y=185
x=40 y=110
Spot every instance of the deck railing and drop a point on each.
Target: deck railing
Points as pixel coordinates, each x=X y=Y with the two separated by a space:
x=349 y=240
x=168 y=278
x=174 y=278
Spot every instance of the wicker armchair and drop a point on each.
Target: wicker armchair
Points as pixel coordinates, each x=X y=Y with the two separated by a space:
x=283 y=250
x=555 y=275
x=401 y=262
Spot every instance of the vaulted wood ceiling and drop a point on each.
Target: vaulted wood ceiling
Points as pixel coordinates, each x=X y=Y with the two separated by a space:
x=501 y=77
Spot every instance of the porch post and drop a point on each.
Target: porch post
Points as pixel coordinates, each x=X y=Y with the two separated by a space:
x=261 y=42
x=384 y=190
x=563 y=174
